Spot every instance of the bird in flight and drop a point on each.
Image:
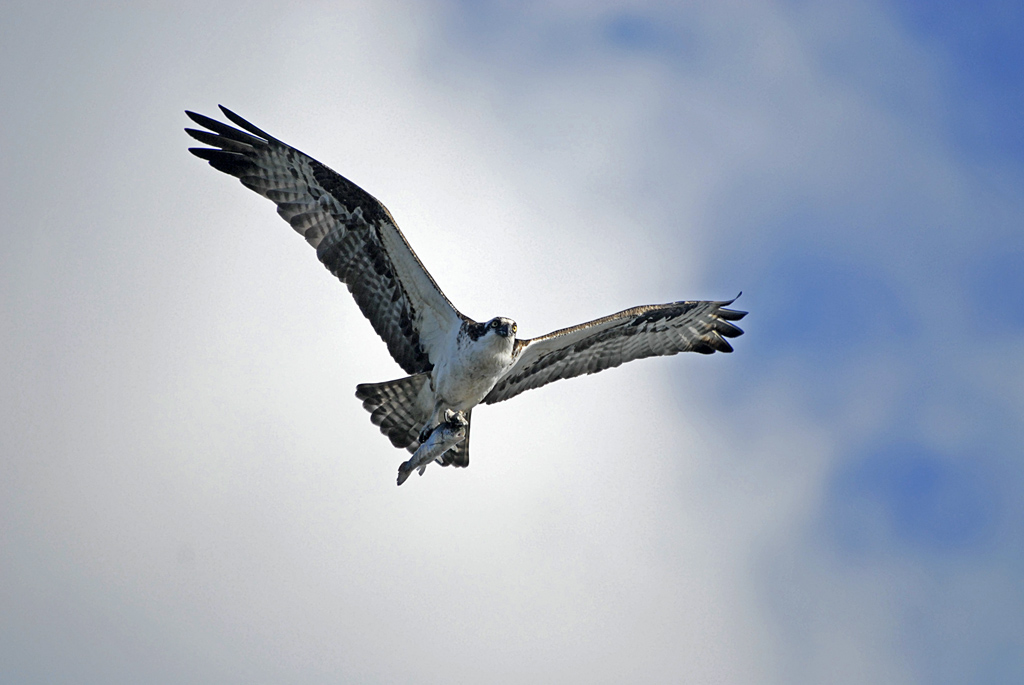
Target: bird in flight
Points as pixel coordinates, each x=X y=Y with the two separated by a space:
x=454 y=362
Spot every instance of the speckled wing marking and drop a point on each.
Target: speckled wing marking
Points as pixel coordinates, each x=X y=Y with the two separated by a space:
x=354 y=235
x=652 y=330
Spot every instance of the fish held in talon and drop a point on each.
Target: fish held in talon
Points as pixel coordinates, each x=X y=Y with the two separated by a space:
x=442 y=438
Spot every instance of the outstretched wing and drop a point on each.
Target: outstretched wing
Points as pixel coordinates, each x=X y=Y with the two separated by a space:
x=354 y=236
x=652 y=330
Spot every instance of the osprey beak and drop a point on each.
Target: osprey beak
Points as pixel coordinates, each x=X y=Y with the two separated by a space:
x=505 y=330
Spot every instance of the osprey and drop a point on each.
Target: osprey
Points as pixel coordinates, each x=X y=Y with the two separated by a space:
x=454 y=363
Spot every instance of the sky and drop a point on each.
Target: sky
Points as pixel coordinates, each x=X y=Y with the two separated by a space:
x=190 y=492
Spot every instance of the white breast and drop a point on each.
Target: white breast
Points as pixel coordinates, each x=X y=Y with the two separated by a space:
x=464 y=377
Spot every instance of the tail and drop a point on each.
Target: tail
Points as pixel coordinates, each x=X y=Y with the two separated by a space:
x=401 y=407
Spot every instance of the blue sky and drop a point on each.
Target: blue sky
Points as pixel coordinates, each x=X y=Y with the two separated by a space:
x=189 y=491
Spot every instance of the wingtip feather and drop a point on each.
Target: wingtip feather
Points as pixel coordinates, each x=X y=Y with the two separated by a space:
x=203 y=120
x=731 y=314
x=230 y=163
x=245 y=125
x=727 y=330
x=202 y=152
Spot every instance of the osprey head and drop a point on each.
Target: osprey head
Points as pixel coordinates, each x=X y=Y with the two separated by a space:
x=498 y=327
x=504 y=327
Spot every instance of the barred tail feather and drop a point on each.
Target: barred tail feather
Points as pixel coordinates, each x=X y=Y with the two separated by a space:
x=399 y=407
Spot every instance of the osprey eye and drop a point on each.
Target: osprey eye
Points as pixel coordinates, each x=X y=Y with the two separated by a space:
x=514 y=328
x=494 y=324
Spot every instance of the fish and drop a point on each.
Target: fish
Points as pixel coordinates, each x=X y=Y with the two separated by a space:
x=445 y=436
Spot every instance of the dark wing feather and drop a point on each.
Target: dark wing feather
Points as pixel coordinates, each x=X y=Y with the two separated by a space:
x=354 y=235
x=652 y=330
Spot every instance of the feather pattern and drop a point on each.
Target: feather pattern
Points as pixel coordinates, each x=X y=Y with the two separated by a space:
x=354 y=235
x=647 y=331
